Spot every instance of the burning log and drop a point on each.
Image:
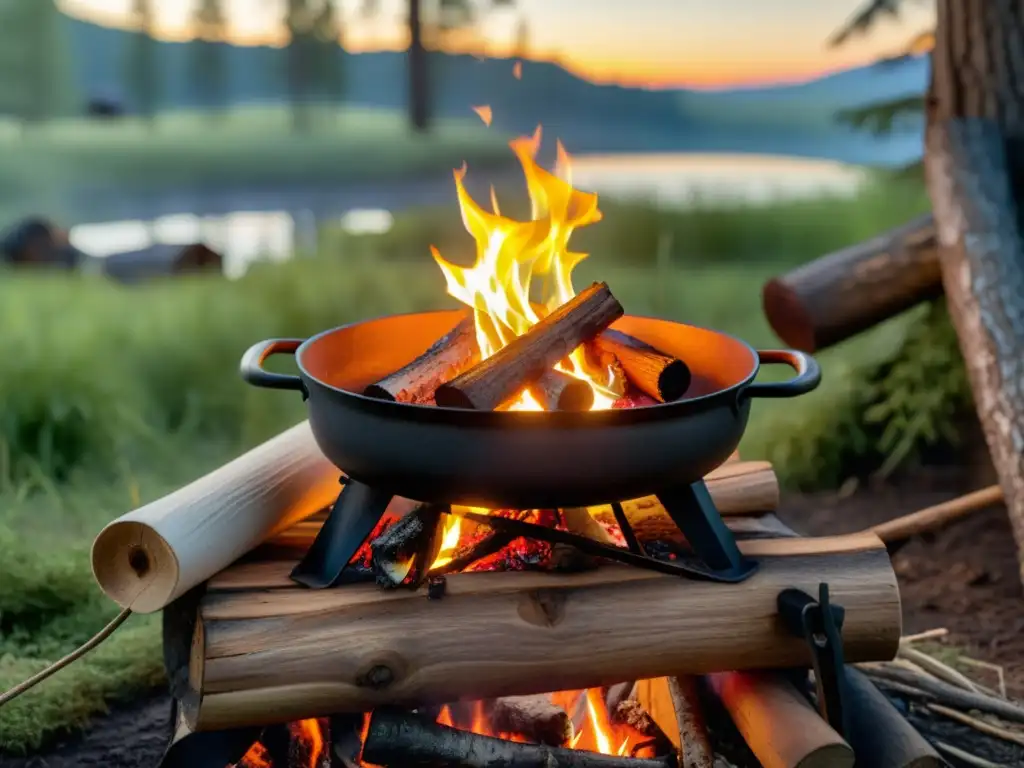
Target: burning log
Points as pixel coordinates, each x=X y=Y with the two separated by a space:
x=674 y=705
x=398 y=738
x=407 y=548
x=778 y=723
x=657 y=375
x=270 y=654
x=446 y=358
x=841 y=294
x=558 y=391
x=491 y=382
x=535 y=717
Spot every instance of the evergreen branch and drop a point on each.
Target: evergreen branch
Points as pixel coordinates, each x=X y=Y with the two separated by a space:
x=880 y=118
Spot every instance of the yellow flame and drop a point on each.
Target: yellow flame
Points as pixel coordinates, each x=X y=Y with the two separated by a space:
x=510 y=254
x=484 y=113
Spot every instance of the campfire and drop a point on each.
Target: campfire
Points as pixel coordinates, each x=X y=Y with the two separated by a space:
x=527 y=563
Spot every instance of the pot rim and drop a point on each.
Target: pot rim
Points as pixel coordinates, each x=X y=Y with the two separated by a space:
x=731 y=395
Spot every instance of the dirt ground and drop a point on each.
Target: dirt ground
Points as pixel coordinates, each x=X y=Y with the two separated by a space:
x=964 y=579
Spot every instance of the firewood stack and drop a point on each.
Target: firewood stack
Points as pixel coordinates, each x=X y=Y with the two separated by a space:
x=251 y=649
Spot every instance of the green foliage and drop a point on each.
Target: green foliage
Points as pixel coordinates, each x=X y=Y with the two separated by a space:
x=35 y=71
x=916 y=399
x=881 y=118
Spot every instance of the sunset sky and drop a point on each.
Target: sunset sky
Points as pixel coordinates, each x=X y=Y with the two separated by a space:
x=697 y=43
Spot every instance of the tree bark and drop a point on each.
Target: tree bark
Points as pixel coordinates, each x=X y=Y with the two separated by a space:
x=973 y=143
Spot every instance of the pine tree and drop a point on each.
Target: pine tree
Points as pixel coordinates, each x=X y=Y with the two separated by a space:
x=300 y=60
x=208 y=56
x=329 y=56
x=141 y=69
x=880 y=117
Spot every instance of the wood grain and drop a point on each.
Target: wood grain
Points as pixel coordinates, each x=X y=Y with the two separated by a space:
x=149 y=557
x=275 y=655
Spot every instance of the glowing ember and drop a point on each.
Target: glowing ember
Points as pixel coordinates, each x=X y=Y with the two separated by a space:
x=256 y=757
x=500 y=285
x=517 y=70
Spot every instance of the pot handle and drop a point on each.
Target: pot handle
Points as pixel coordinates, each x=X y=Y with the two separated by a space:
x=808 y=374
x=253 y=372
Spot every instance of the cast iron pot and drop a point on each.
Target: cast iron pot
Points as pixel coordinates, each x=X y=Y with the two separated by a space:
x=522 y=460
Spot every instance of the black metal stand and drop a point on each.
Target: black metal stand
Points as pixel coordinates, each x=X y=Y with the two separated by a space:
x=713 y=555
x=352 y=519
x=820 y=622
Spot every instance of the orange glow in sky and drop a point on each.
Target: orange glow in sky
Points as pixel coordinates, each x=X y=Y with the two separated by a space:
x=696 y=43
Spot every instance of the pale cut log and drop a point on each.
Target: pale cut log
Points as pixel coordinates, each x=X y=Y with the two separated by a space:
x=837 y=296
x=277 y=655
x=145 y=559
x=674 y=705
x=778 y=723
x=972 y=167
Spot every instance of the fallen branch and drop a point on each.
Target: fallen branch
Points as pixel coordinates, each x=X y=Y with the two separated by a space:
x=966 y=757
x=1000 y=672
x=939 y=692
x=937 y=668
x=934 y=518
x=979 y=725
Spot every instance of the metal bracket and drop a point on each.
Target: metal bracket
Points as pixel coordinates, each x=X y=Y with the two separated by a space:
x=819 y=623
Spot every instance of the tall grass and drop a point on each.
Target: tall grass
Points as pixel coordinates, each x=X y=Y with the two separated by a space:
x=113 y=396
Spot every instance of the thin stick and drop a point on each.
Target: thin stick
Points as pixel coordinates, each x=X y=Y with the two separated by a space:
x=933 y=518
x=944 y=693
x=1000 y=674
x=937 y=668
x=977 y=724
x=928 y=634
x=966 y=757
x=76 y=654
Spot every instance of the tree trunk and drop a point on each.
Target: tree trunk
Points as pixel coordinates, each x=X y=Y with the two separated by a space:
x=973 y=140
x=419 y=97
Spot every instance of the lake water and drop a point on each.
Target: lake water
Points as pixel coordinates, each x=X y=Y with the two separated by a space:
x=270 y=224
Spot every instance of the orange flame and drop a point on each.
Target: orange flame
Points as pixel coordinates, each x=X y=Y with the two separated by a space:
x=484 y=112
x=517 y=70
x=510 y=254
x=310 y=734
x=256 y=757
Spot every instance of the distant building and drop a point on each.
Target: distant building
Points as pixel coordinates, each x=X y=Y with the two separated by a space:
x=37 y=242
x=161 y=260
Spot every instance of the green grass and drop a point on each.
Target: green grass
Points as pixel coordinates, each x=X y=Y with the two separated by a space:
x=114 y=396
x=253 y=145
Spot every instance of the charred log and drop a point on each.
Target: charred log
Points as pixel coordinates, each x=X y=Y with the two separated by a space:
x=837 y=296
x=655 y=374
x=522 y=361
x=535 y=717
x=558 y=391
x=449 y=356
x=398 y=738
x=974 y=141
x=404 y=552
